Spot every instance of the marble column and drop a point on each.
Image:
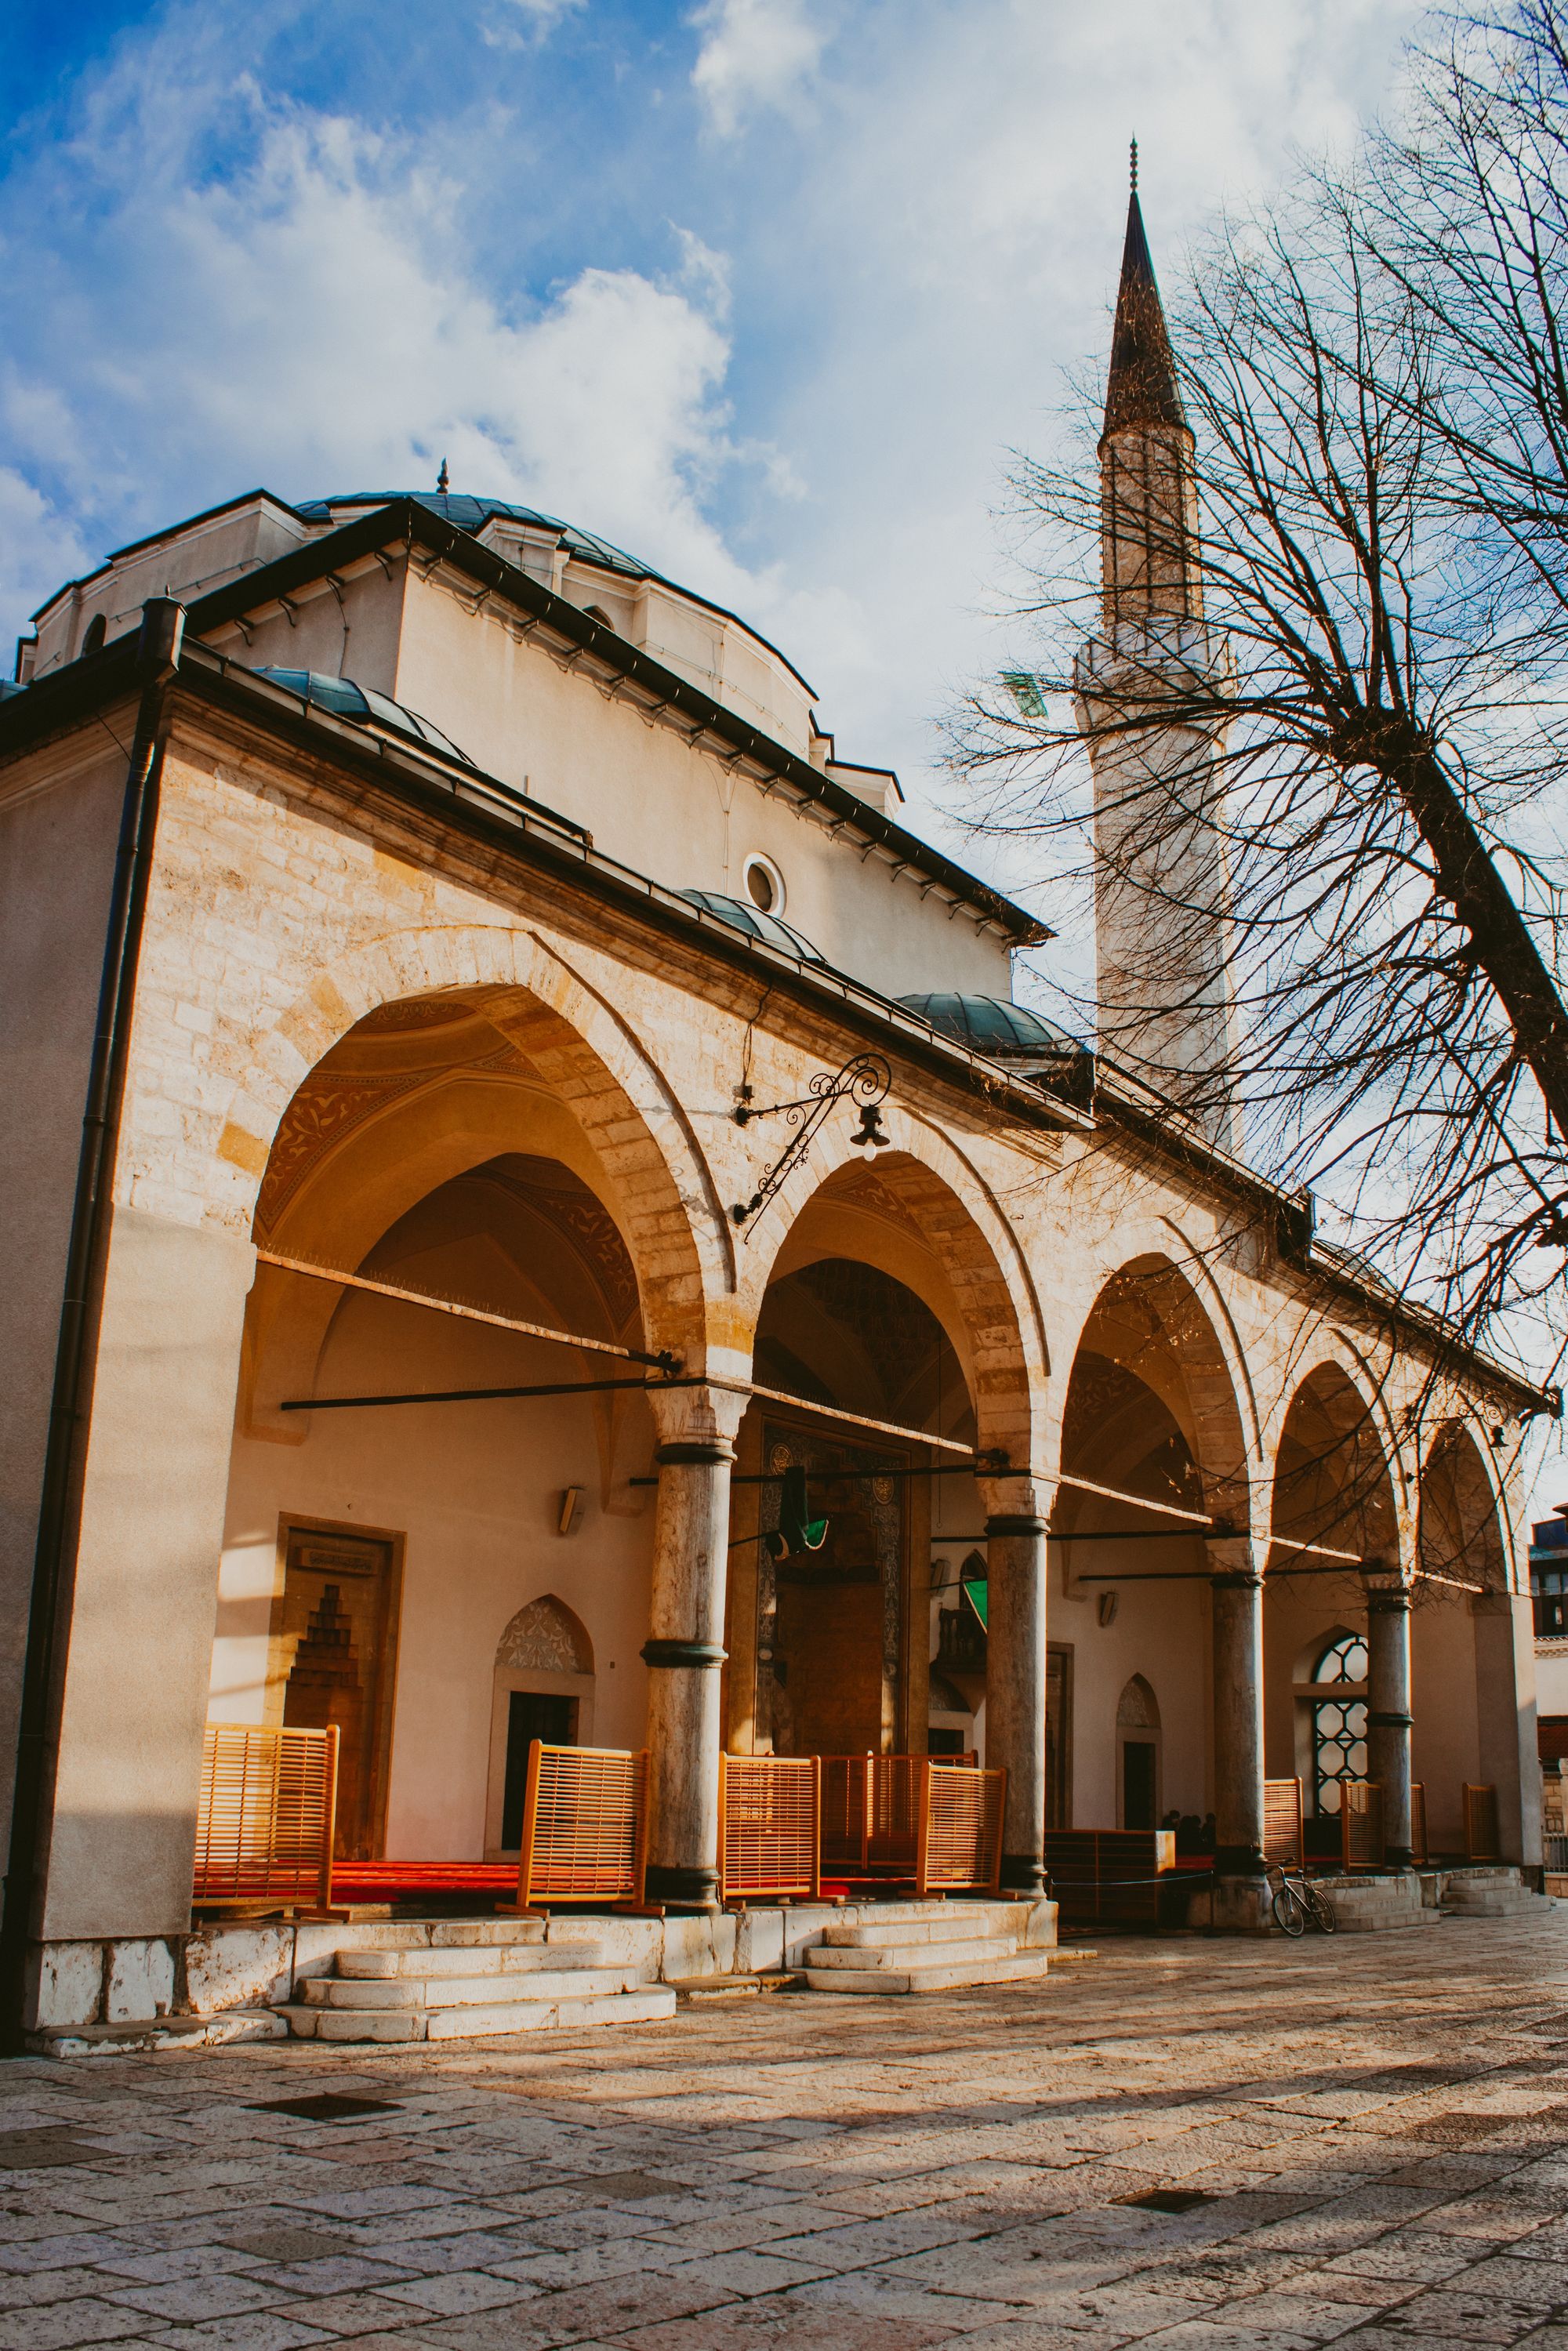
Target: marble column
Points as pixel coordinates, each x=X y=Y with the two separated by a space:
x=686 y=1648
x=1015 y=1671
x=1241 y=1892
x=1388 y=1705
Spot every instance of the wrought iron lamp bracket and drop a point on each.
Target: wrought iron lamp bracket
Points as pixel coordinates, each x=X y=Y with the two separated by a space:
x=864 y=1081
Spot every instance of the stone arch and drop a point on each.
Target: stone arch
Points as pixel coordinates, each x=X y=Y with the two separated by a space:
x=588 y=1057
x=1153 y=1324
x=960 y=1256
x=1332 y=1481
x=546 y=1636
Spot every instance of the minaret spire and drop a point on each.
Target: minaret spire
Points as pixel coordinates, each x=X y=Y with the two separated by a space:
x=1145 y=450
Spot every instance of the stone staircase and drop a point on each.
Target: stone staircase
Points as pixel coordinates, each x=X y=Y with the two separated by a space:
x=1493 y=1894
x=910 y=1947
x=1373 y=1904
x=469 y=1978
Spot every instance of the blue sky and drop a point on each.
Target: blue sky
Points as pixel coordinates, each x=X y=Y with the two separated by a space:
x=765 y=289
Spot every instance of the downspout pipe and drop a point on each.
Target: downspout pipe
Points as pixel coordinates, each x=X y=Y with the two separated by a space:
x=158 y=654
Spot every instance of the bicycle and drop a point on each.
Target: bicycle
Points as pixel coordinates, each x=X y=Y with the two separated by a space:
x=1298 y=1903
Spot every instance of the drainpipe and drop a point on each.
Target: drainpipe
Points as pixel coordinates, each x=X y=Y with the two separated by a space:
x=49 y=1617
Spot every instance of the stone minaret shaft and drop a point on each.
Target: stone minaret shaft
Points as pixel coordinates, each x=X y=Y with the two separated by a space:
x=1146 y=687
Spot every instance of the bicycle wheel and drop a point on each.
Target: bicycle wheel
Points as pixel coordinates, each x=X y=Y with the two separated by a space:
x=1320 y=1909
x=1289 y=1912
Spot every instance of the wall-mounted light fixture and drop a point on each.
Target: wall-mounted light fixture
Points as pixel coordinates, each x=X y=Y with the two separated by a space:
x=570 y=1503
x=864 y=1081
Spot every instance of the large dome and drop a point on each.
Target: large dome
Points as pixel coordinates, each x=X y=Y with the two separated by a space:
x=471 y=515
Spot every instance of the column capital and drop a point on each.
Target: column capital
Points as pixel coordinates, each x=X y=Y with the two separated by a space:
x=1233 y=1562
x=709 y=1416
x=1012 y=1494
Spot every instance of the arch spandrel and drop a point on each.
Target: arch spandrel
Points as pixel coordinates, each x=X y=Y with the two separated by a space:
x=983 y=1294
x=663 y=1192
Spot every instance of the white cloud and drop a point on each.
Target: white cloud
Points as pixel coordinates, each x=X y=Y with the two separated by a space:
x=539 y=19
x=755 y=54
x=38 y=550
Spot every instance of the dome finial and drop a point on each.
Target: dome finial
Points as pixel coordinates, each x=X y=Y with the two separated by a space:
x=443 y=479
x=1134 y=153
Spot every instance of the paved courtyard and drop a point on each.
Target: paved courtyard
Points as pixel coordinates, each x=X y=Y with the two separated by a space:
x=1373 y=2134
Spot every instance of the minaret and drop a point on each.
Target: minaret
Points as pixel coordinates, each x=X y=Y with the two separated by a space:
x=1161 y=887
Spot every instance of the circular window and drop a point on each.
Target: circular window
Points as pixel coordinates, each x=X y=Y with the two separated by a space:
x=765 y=885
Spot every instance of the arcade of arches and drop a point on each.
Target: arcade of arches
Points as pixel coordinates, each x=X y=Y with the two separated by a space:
x=591 y=1563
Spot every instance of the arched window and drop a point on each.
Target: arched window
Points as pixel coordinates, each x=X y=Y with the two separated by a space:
x=97 y=630
x=1339 y=1719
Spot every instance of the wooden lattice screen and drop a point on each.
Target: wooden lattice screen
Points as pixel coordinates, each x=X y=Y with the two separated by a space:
x=1417 y=1821
x=1282 y=1821
x=585 y=1826
x=960 y=1828
x=264 y=1816
x=1480 y=1822
x=1125 y=1877
x=1361 y=1823
x=846 y=1825
x=770 y=1812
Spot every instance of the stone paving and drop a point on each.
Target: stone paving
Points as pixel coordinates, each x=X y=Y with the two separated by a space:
x=1368 y=2142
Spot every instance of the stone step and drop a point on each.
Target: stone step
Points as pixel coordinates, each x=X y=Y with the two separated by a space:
x=649 y=2004
x=1496 y=1902
x=465 y=1992
x=974 y=1917
x=1023 y=1966
x=467 y=1959
x=949 y=1952
x=943 y=1927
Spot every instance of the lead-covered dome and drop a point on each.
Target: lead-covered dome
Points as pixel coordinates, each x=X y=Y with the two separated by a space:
x=752 y=920
x=365 y=706
x=1004 y=1032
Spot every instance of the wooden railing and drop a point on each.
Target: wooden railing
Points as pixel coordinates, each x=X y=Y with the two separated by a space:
x=1481 y=1841
x=265 y=1816
x=585 y=1826
x=770 y=1826
x=1112 y=1877
x=959 y=1816
x=1361 y=1823
x=1282 y=1821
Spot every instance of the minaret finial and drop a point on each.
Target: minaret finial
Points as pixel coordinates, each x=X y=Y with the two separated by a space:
x=1134 y=152
x=443 y=479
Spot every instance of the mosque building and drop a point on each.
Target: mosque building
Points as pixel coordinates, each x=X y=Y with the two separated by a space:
x=509 y=1133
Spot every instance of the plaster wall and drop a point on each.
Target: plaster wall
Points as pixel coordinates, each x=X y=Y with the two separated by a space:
x=473 y=1490
x=1161 y=1632
x=59 y=820
x=1446 y=1731
x=1552 y=1677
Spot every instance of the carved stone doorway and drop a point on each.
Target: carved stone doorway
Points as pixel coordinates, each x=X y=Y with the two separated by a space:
x=335 y=1638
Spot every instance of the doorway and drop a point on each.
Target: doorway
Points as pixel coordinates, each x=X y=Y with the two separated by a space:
x=530 y=1715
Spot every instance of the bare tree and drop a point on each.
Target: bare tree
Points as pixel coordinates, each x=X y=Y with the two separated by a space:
x=1298 y=679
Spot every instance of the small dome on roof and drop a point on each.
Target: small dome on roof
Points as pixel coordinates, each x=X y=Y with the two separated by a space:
x=365 y=706
x=987 y=1025
x=752 y=920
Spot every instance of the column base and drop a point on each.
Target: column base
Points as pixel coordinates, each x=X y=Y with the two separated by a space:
x=1023 y=1873
x=1243 y=1905
x=694 y=1889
